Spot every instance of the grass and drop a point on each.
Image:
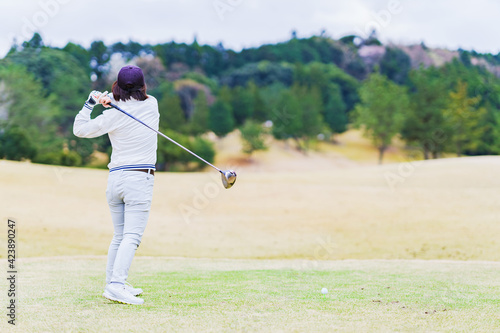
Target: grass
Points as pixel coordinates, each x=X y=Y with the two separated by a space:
x=64 y=295
x=301 y=225
x=447 y=209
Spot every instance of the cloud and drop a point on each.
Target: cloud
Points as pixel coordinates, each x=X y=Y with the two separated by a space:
x=245 y=23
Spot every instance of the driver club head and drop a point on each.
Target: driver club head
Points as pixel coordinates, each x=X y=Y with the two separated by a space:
x=228 y=178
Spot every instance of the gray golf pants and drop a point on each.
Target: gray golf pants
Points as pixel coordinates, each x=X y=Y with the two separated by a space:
x=129 y=196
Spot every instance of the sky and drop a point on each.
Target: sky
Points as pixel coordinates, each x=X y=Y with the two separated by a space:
x=240 y=24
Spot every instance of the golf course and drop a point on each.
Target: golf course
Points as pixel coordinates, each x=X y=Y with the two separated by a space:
x=406 y=246
x=250 y=166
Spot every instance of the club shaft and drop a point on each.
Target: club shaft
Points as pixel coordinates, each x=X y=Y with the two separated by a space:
x=166 y=137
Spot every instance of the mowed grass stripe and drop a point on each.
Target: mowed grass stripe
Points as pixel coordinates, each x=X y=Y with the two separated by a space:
x=64 y=294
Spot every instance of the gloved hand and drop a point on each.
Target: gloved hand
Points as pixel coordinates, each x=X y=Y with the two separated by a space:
x=96 y=97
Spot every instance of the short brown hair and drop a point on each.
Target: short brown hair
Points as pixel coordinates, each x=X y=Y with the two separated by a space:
x=120 y=94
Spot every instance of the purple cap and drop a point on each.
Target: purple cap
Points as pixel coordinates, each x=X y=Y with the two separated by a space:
x=131 y=78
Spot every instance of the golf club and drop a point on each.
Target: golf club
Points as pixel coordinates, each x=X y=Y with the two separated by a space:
x=228 y=176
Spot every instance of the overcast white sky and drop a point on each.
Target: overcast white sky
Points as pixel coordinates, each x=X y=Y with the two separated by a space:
x=245 y=23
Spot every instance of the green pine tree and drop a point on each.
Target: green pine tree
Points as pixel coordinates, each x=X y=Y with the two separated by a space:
x=198 y=123
x=242 y=103
x=335 y=111
x=425 y=125
x=287 y=116
x=298 y=115
x=464 y=116
x=260 y=110
x=221 y=120
x=310 y=116
x=171 y=113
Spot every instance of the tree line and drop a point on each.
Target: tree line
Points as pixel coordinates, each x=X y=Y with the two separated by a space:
x=301 y=88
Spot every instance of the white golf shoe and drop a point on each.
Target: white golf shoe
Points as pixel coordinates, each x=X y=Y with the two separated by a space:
x=119 y=293
x=132 y=290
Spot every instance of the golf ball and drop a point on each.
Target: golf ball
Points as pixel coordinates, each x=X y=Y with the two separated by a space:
x=324 y=291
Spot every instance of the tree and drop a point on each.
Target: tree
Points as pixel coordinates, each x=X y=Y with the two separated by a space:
x=311 y=106
x=464 y=116
x=260 y=109
x=171 y=113
x=225 y=95
x=211 y=83
x=16 y=145
x=242 y=104
x=169 y=154
x=61 y=75
x=287 y=116
x=203 y=148
x=481 y=83
x=298 y=115
x=337 y=91
x=130 y=50
x=396 y=65
x=221 y=120
x=188 y=90
x=198 y=124
x=35 y=42
x=262 y=73
x=30 y=126
x=465 y=58
x=99 y=57
x=270 y=96
x=80 y=54
x=356 y=67
x=489 y=143
x=252 y=135
x=171 y=157
x=425 y=125
x=62 y=157
x=25 y=106
x=323 y=76
x=382 y=111
x=335 y=111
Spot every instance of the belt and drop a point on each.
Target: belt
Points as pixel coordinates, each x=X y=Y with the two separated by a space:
x=149 y=171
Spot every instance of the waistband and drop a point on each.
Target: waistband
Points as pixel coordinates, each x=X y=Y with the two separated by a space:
x=133 y=167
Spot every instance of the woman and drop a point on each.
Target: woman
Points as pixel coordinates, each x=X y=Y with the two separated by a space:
x=131 y=177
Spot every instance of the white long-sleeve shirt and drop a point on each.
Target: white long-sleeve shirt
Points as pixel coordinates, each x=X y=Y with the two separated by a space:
x=134 y=145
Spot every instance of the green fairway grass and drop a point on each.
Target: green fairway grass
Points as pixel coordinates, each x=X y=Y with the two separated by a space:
x=64 y=295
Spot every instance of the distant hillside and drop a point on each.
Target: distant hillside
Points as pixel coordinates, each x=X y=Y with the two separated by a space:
x=420 y=55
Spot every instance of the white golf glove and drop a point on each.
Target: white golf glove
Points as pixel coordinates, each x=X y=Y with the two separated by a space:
x=95 y=98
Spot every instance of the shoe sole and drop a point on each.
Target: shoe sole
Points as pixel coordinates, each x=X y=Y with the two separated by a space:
x=111 y=298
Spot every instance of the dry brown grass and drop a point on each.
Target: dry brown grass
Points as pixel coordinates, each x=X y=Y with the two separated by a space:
x=445 y=209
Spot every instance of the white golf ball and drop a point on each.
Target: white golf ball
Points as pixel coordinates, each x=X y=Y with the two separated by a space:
x=324 y=291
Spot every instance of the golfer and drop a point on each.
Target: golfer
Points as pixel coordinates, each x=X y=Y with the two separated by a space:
x=131 y=171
